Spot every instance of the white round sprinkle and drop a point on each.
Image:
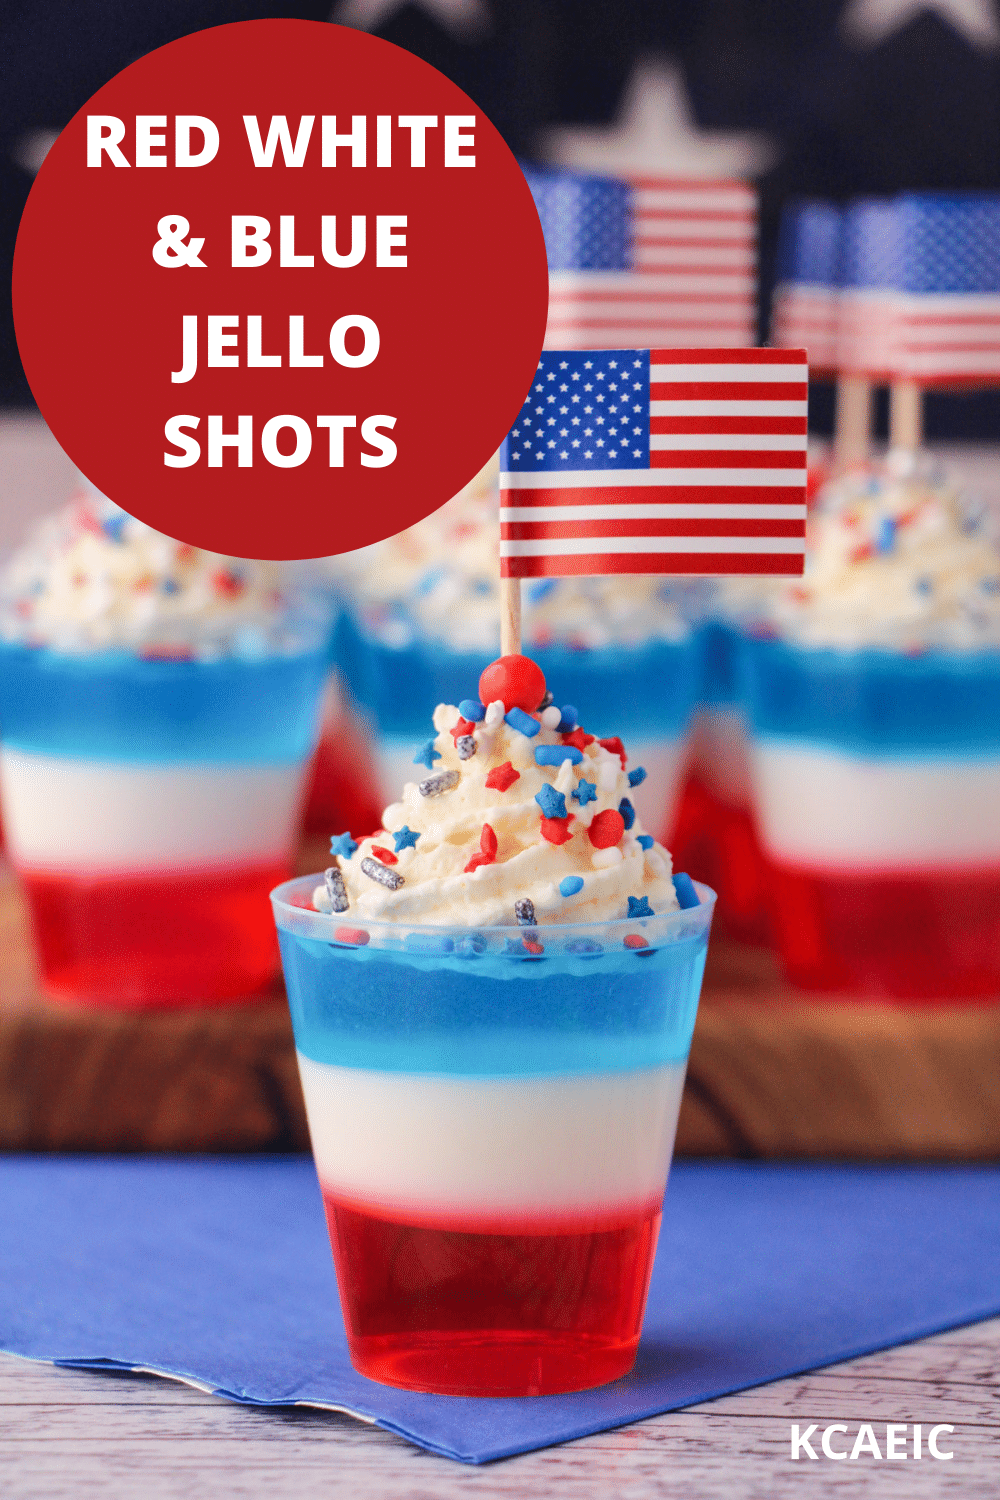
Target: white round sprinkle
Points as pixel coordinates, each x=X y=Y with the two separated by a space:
x=494 y=713
x=551 y=716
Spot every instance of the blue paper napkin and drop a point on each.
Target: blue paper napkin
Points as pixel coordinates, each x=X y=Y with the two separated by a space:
x=219 y=1271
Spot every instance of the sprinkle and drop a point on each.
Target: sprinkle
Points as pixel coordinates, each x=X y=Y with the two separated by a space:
x=646 y=840
x=385 y=855
x=336 y=889
x=533 y=947
x=381 y=874
x=990 y=585
x=170 y=586
x=556 y=830
x=885 y=537
x=356 y=936
x=228 y=583
x=638 y=906
x=405 y=838
x=513 y=947
x=114 y=526
x=522 y=722
x=584 y=792
x=571 y=885
x=466 y=746
x=578 y=739
x=687 y=896
x=633 y=940
x=433 y=786
x=472 y=709
x=616 y=747
x=552 y=803
x=342 y=845
x=427 y=755
x=637 y=777
x=923 y=586
x=551 y=718
x=554 y=755
x=524 y=911
x=541 y=590
x=606 y=829
x=569 y=719
x=494 y=713
x=546 y=702
x=428 y=942
x=502 y=777
x=471 y=946
x=461 y=728
x=627 y=811
x=584 y=947
x=487 y=850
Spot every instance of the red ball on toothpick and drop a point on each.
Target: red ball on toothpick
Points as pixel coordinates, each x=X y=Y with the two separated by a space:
x=516 y=681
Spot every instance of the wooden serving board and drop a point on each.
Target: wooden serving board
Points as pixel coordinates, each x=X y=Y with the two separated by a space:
x=772 y=1074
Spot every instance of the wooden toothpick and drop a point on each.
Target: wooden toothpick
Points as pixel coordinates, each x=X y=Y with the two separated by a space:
x=906 y=415
x=852 y=423
x=510 y=617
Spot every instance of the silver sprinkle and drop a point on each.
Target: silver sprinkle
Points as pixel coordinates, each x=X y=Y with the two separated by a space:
x=524 y=911
x=433 y=786
x=375 y=870
x=466 y=746
x=546 y=701
x=336 y=889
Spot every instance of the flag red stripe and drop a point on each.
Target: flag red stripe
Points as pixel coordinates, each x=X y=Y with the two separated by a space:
x=722 y=425
x=725 y=458
x=597 y=563
x=672 y=494
x=554 y=531
x=726 y=356
x=599 y=297
x=728 y=390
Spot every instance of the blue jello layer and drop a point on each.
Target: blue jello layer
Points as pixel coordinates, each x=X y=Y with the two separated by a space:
x=622 y=690
x=490 y=1015
x=115 y=706
x=874 y=702
x=718 y=645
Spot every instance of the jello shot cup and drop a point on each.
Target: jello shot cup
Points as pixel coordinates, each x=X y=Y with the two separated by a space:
x=492 y=1114
x=150 y=804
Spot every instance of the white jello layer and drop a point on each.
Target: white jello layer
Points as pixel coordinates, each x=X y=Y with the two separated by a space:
x=654 y=800
x=93 y=816
x=821 y=809
x=492 y=1147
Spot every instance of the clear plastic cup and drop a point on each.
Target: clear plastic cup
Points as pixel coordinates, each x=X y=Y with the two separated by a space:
x=492 y=1114
x=149 y=807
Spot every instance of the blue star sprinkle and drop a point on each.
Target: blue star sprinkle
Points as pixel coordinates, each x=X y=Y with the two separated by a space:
x=637 y=777
x=427 y=755
x=524 y=723
x=554 y=755
x=627 y=811
x=571 y=885
x=638 y=906
x=687 y=896
x=342 y=845
x=405 y=838
x=646 y=840
x=552 y=803
x=584 y=792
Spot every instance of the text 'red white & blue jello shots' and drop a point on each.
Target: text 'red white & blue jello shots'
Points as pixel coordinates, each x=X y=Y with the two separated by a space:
x=493 y=999
x=158 y=706
x=420 y=621
x=874 y=697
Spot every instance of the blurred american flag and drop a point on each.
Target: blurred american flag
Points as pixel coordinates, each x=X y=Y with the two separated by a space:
x=647 y=261
x=804 y=310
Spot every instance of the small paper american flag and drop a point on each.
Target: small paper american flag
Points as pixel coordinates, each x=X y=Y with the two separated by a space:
x=804 y=308
x=657 y=461
x=648 y=261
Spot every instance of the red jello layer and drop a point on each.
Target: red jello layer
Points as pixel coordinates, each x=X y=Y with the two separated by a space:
x=192 y=937
x=932 y=936
x=463 y=1313
x=717 y=842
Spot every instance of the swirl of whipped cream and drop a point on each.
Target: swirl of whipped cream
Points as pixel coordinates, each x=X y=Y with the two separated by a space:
x=503 y=828
x=93 y=578
x=896 y=557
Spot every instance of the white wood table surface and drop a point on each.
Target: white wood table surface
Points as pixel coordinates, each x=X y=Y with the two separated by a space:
x=69 y=1435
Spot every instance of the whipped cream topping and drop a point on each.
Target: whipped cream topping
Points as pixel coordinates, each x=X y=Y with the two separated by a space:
x=896 y=557
x=93 y=578
x=439 y=580
x=522 y=819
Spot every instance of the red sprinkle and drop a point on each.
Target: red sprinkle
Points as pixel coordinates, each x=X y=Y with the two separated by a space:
x=607 y=829
x=533 y=947
x=578 y=739
x=635 y=941
x=556 y=830
x=385 y=855
x=487 y=850
x=355 y=935
x=616 y=747
x=464 y=726
x=502 y=777
x=228 y=583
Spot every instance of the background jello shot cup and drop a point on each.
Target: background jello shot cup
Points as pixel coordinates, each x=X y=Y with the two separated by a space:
x=492 y=1115
x=158 y=708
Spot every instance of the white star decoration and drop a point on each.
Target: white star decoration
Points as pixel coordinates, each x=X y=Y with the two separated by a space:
x=655 y=132
x=868 y=22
